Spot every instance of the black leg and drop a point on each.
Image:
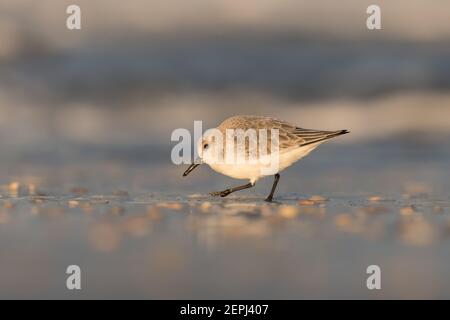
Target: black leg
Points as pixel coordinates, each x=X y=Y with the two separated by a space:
x=274 y=186
x=226 y=192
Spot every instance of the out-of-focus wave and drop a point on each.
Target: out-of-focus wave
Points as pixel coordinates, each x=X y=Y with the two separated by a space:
x=289 y=68
x=424 y=117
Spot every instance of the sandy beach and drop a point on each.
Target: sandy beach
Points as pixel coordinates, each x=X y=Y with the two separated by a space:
x=333 y=216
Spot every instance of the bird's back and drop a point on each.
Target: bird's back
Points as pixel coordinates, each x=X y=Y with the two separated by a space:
x=290 y=136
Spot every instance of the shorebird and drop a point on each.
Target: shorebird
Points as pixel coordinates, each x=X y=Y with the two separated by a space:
x=292 y=144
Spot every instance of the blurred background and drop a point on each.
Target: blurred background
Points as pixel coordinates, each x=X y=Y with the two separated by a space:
x=91 y=111
x=116 y=89
x=137 y=70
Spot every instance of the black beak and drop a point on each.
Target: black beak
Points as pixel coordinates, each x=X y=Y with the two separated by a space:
x=191 y=168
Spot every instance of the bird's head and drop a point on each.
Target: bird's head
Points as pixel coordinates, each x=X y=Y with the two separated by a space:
x=209 y=148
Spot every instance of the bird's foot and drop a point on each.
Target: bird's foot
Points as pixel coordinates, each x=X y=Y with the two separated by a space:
x=268 y=199
x=223 y=193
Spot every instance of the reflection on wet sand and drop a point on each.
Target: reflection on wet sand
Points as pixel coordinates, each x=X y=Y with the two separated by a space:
x=161 y=236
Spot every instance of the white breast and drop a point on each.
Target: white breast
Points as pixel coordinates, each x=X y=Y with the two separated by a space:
x=255 y=171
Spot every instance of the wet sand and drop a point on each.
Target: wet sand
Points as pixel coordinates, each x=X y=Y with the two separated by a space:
x=142 y=231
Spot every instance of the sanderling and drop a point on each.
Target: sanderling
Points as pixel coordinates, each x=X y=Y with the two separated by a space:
x=290 y=145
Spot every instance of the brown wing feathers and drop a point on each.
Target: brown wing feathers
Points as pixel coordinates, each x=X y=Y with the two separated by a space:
x=310 y=136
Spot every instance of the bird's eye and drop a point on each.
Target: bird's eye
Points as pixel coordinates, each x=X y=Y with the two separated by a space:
x=205 y=146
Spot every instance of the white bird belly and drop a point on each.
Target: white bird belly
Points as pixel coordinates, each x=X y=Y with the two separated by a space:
x=255 y=171
x=289 y=157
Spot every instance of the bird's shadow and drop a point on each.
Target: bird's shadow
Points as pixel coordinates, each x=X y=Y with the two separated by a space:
x=245 y=199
